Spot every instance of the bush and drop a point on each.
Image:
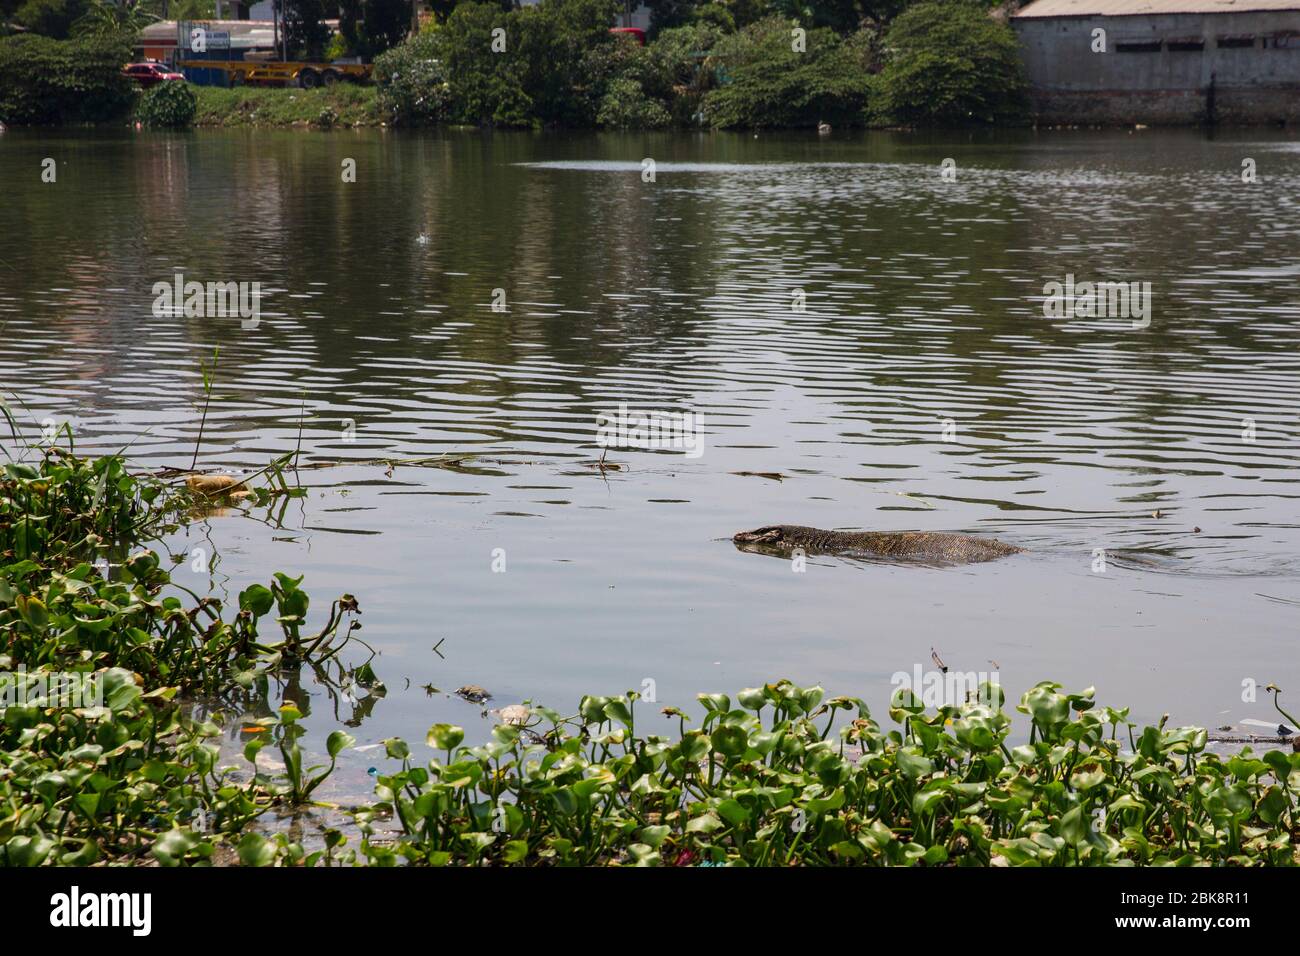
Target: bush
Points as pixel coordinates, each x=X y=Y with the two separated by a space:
x=171 y=104
x=679 y=68
x=44 y=81
x=625 y=105
x=413 y=88
x=766 y=82
x=486 y=87
x=949 y=64
x=542 y=77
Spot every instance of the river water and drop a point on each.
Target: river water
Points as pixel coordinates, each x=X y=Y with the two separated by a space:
x=834 y=311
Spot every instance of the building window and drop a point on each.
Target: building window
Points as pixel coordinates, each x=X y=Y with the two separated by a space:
x=1285 y=41
x=1137 y=46
x=1234 y=43
x=1185 y=45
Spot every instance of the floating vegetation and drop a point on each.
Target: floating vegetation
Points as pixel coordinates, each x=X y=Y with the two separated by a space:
x=122 y=770
x=769 y=782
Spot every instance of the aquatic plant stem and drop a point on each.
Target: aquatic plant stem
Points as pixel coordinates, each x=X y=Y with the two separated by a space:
x=207 y=400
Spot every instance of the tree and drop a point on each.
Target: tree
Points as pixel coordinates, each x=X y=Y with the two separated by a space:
x=768 y=83
x=949 y=64
x=104 y=18
x=373 y=26
x=50 y=18
x=305 y=32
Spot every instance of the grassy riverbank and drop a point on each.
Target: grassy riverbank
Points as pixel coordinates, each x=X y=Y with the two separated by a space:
x=780 y=776
x=342 y=105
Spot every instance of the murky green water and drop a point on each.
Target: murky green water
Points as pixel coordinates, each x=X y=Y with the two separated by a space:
x=921 y=313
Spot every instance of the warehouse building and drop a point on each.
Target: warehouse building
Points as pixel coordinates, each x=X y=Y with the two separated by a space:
x=1162 y=61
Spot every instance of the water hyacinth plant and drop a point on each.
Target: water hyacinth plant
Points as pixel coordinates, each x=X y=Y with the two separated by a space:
x=131 y=774
x=770 y=782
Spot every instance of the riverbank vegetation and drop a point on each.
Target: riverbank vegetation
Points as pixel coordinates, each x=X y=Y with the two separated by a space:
x=780 y=775
x=44 y=81
x=322 y=108
x=774 y=779
x=114 y=680
x=555 y=64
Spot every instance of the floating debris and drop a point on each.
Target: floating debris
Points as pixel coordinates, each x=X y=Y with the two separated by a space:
x=602 y=465
x=472 y=693
x=772 y=475
x=214 y=484
x=938 y=661
x=515 y=715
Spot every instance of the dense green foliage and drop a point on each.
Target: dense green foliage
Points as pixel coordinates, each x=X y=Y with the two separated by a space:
x=493 y=67
x=413 y=87
x=765 y=782
x=106 y=18
x=53 y=81
x=556 y=64
x=778 y=79
x=172 y=104
x=369 y=27
x=131 y=774
x=305 y=32
x=949 y=64
x=743 y=64
x=50 y=18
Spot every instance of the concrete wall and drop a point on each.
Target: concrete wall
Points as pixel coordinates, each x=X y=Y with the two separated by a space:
x=1071 y=83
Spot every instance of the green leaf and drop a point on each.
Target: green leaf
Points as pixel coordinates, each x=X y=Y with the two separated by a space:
x=733 y=812
x=256 y=599
x=445 y=736
x=337 y=742
x=255 y=850
x=730 y=741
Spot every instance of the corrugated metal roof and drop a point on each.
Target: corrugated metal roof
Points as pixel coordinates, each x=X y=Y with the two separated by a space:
x=167 y=28
x=1124 y=8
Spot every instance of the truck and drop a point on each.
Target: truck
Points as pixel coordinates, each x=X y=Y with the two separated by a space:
x=306 y=75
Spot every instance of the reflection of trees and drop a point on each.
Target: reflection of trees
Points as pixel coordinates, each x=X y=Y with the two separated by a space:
x=907 y=277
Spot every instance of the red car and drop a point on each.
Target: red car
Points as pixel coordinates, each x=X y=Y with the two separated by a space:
x=636 y=33
x=147 y=74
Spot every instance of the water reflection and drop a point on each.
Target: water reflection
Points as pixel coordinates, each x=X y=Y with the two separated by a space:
x=919 y=386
